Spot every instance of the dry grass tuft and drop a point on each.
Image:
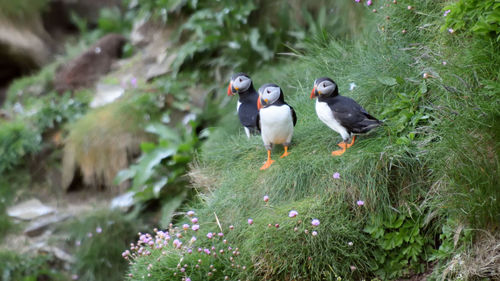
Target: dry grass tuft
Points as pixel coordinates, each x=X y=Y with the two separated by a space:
x=102 y=143
x=481 y=261
x=201 y=177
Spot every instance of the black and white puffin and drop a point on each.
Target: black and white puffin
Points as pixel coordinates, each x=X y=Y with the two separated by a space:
x=247 y=103
x=341 y=114
x=276 y=119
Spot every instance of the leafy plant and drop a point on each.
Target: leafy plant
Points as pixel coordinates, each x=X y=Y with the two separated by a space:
x=16 y=140
x=478 y=16
x=14 y=267
x=406 y=112
x=23 y=136
x=403 y=245
x=99 y=239
x=159 y=170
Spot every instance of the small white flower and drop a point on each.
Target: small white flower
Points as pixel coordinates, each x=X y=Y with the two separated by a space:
x=352 y=85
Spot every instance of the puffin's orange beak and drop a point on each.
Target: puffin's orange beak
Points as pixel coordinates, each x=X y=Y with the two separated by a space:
x=312 y=93
x=229 y=92
x=259 y=104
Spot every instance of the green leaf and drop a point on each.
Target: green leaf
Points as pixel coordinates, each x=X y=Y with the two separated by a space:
x=168 y=208
x=423 y=87
x=145 y=167
x=389 y=81
x=124 y=175
x=147 y=147
x=163 y=132
x=392 y=240
x=159 y=185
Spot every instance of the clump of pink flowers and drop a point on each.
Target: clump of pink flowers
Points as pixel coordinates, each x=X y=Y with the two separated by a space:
x=181 y=240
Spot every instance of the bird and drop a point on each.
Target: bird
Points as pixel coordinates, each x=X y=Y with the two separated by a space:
x=276 y=119
x=242 y=84
x=342 y=114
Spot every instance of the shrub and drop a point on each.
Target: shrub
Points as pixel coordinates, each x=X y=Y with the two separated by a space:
x=99 y=238
x=476 y=16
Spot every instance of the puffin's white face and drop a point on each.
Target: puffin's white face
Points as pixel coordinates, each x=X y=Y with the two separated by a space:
x=241 y=83
x=269 y=95
x=325 y=87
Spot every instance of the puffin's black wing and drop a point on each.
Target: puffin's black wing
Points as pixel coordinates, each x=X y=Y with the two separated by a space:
x=294 y=116
x=351 y=115
x=248 y=112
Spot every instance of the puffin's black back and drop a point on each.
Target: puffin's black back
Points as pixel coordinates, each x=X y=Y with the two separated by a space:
x=248 y=112
x=350 y=114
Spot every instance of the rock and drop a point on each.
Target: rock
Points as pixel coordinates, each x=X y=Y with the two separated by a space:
x=29 y=210
x=124 y=201
x=161 y=67
x=24 y=47
x=58 y=253
x=37 y=227
x=106 y=94
x=85 y=70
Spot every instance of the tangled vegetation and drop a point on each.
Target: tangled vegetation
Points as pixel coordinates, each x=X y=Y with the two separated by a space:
x=416 y=198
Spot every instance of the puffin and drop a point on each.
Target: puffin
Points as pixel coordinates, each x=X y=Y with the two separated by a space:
x=276 y=119
x=242 y=84
x=342 y=114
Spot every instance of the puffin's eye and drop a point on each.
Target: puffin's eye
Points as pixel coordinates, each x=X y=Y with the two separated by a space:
x=241 y=80
x=268 y=91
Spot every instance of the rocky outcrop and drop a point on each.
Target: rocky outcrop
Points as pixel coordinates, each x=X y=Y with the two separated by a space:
x=86 y=69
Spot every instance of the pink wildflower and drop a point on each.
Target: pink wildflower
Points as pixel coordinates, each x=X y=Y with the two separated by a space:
x=336 y=175
x=250 y=221
x=266 y=198
x=360 y=203
x=190 y=213
x=185 y=226
x=195 y=227
x=315 y=222
x=194 y=220
x=293 y=214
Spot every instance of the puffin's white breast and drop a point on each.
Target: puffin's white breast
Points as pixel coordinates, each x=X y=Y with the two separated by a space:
x=276 y=124
x=325 y=114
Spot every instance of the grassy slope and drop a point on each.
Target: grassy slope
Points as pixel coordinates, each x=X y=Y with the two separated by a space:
x=402 y=167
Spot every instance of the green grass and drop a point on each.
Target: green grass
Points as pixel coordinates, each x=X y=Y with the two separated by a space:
x=435 y=158
x=99 y=239
x=15 y=266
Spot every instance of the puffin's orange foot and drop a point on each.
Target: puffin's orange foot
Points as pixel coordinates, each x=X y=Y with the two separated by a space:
x=342 y=145
x=267 y=164
x=352 y=142
x=286 y=152
x=338 y=152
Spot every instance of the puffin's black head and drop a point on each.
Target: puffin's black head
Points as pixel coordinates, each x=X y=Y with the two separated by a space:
x=324 y=86
x=240 y=82
x=268 y=94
